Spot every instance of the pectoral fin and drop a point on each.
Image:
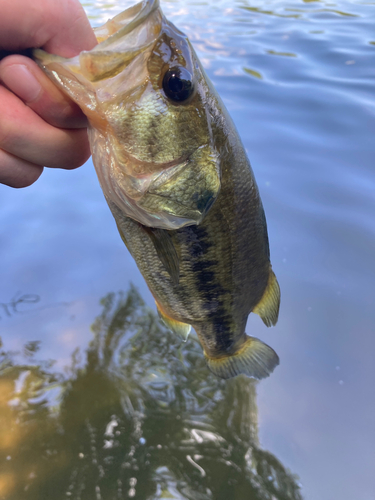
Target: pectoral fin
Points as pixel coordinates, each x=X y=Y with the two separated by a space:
x=166 y=251
x=154 y=204
x=254 y=359
x=268 y=307
x=180 y=329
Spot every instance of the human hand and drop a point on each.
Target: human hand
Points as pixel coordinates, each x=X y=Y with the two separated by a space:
x=39 y=125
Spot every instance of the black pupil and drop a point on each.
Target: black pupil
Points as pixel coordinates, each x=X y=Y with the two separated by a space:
x=177 y=84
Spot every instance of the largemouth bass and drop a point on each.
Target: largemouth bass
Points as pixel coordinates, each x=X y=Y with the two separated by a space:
x=178 y=182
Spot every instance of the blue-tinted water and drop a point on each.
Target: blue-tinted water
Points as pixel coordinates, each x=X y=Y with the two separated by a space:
x=298 y=80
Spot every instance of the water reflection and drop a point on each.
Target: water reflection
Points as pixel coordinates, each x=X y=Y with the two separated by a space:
x=17 y=303
x=136 y=415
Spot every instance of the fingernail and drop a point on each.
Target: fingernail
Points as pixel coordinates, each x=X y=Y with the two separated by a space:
x=21 y=82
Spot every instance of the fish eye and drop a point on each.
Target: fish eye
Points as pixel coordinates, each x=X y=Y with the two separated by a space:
x=178 y=84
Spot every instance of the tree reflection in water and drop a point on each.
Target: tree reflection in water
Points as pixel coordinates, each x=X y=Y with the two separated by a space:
x=138 y=417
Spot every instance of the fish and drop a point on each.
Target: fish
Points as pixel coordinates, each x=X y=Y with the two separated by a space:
x=178 y=182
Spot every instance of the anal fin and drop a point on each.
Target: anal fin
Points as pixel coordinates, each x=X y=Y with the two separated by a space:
x=182 y=330
x=268 y=306
x=254 y=359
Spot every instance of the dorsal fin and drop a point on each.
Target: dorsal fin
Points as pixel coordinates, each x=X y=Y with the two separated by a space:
x=268 y=306
x=166 y=251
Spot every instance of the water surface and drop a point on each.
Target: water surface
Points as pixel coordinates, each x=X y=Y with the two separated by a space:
x=114 y=412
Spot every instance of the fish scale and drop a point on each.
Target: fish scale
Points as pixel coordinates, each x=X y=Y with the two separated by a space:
x=178 y=182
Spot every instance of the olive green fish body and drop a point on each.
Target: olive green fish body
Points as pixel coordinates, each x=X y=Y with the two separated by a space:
x=224 y=265
x=176 y=177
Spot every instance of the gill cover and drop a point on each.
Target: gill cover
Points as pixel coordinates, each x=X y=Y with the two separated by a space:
x=146 y=98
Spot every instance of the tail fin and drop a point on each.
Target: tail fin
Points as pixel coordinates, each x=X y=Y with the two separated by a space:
x=254 y=359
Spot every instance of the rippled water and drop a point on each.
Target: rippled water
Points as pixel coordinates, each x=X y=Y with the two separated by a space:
x=109 y=411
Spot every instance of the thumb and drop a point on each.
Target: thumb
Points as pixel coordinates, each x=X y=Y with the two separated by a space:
x=59 y=26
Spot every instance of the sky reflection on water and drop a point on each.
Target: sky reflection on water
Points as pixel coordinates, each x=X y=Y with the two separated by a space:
x=308 y=123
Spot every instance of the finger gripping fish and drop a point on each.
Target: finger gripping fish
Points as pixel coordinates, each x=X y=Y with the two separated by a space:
x=178 y=182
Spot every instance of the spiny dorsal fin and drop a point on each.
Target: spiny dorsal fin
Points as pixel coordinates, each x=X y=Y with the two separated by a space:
x=180 y=329
x=254 y=359
x=166 y=251
x=268 y=306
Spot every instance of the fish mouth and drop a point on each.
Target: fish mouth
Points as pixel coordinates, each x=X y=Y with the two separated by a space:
x=124 y=37
x=124 y=23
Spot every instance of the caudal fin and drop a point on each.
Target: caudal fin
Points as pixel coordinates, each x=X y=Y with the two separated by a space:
x=254 y=359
